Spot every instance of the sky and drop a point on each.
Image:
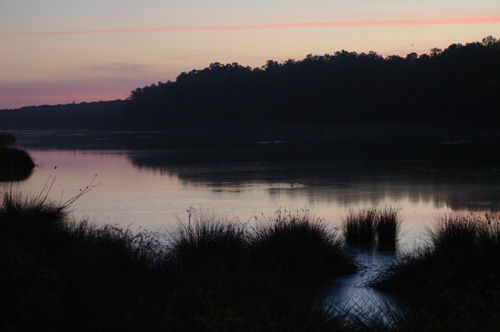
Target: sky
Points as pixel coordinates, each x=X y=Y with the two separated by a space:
x=60 y=51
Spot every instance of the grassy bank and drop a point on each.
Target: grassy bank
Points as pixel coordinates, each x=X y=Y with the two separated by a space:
x=452 y=285
x=216 y=274
x=60 y=275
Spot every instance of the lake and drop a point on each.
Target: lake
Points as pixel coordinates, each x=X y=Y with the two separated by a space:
x=141 y=181
x=140 y=184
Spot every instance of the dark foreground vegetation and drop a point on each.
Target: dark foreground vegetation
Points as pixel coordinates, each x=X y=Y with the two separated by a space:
x=452 y=285
x=60 y=275
x=458 y=85
x=369 y=227
x=15 y=164
x=219 y=275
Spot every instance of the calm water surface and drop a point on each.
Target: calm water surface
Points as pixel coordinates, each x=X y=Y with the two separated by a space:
x=152 y=188
x=142 y=189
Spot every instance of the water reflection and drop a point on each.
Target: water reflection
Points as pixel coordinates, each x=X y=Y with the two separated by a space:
x=353 y=294
x=347 y=181
x=147 y=179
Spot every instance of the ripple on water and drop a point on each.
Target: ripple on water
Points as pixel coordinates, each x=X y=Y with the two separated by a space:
x=351 y=294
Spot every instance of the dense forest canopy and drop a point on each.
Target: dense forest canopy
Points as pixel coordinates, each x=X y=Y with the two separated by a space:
x=458 y=85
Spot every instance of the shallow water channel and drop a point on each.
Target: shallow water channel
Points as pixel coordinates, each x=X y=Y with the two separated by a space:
x=351 y=294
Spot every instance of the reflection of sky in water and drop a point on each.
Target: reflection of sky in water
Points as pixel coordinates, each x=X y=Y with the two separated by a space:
x=154 y=197
x=350 y=293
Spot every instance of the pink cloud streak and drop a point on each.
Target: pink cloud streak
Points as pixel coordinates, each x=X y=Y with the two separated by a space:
x=414 y=22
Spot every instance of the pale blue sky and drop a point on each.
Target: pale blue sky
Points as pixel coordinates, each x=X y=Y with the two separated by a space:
x=37 y=69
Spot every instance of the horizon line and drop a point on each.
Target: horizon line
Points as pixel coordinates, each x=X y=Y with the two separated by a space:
x=278 y=26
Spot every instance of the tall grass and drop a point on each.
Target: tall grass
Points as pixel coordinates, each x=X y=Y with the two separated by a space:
x=461 y=245
x=292 y=244
x=59 y=275
x=209 y=244
x=252 y=278
x=387 y=227
x=367 y=227
x=359 y=228
x=459 y=269
x=217 y=274
x=299 y=245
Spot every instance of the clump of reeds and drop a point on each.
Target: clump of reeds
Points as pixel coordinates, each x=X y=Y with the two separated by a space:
x=359 y=228
x=209 y=242
x=456 y=232
x=31 y=217
x=299 y=245
x=367 y=227
x=458 y=269
x=387 y=227
x=234 y=267
x=461 y=242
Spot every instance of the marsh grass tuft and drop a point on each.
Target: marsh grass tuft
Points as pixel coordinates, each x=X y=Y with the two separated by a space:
x=459 y=269
x=209 y=243
x=369 y=226
x=359 y=228
x=387 y=227
x=297 y=244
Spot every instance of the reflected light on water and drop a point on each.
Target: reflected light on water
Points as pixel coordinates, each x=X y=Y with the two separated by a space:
x=157 y=197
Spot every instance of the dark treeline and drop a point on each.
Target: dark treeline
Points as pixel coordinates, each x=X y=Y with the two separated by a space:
x=458 y=85
x=95 y=115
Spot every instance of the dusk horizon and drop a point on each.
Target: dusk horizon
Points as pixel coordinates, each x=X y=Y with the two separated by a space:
x=102 y=52
x=265 y=165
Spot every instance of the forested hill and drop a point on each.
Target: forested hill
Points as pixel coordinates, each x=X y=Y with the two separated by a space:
x=458 y=85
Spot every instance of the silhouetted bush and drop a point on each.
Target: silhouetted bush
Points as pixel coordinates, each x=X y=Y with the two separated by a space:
x=15 y=164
